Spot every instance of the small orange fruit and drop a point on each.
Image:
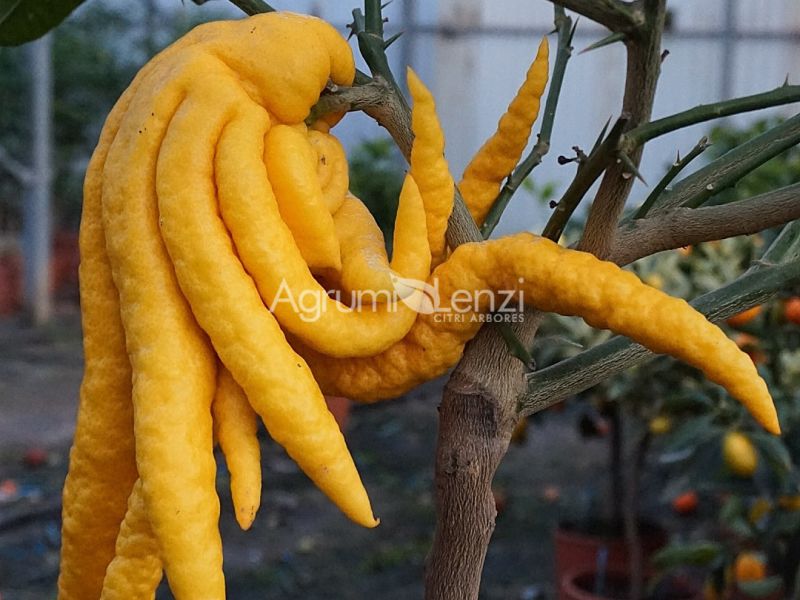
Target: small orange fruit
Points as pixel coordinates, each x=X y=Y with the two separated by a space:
x=750 y=345
x=686 y=503
x=790 y=503
x=759 y=509
x=744 y=317
x=749 y=566
x=791 y=310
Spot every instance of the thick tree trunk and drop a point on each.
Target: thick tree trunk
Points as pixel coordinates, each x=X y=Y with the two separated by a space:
x=476 y=418
x=479 y=407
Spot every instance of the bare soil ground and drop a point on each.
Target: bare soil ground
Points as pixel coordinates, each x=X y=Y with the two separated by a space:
x=299 y=546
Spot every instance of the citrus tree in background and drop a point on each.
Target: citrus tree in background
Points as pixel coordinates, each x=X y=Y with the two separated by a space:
x=495 y=384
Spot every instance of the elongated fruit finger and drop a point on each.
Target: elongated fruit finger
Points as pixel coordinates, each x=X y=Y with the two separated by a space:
x=429 y=167
x=102 y=465
x=174 y=369
x=553 y=279
x=332 y=168
x=236 y=425
x=498 y=156
x=135 y=572
x=292 y=167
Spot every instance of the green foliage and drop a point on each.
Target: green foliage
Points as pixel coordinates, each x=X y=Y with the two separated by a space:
x=376 y=177
x=700 y=414
x=778 y=172
x=696 y=554
x=25 y=20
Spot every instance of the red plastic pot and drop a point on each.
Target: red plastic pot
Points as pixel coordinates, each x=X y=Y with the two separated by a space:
x=737 y=594
x=64 y=264
x=340 y=409
x=10 y=284
x=579 y=584
x=577 y=551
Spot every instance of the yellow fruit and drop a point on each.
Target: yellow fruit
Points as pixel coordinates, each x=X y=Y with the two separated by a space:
x=498 y=156
x=660 y=425
x=291 y=167
x=135 y=572
x=299 y=303
x=98 y=483
x=236 y=426
x=759 y=509
x=739 y=454
x=429 y=167
x=332 y=168
x=548 y=277
x=226 y=304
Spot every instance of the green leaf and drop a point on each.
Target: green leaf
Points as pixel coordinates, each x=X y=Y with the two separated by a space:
x=786 y=523
x=774 y=450
x=688 y=401
x=693 y=554
x=732 y=510
x=685 y=439
x=761 y=588
x=25 y=20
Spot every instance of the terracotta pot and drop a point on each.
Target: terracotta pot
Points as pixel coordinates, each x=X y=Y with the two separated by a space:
x=737 y=594
x=579 y=551
x=10 y=284
x=64 y=264
x=579 y=584
x=340 y=409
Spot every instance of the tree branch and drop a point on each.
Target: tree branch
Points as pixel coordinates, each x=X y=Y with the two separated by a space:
x=686 y=226
x=613 y=14
x=679 y=165
x=249 y=7
x=643 y=69
x=377 y=98
x=729 y=168
x=588 y=172
x=786 y=94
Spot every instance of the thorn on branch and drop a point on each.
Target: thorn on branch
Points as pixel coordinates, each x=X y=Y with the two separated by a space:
x=392 y=40
x=670 y=175
x=572 y=32
x=516 y=348
x=606 y=41
x=601 y=136
x=630 y=167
